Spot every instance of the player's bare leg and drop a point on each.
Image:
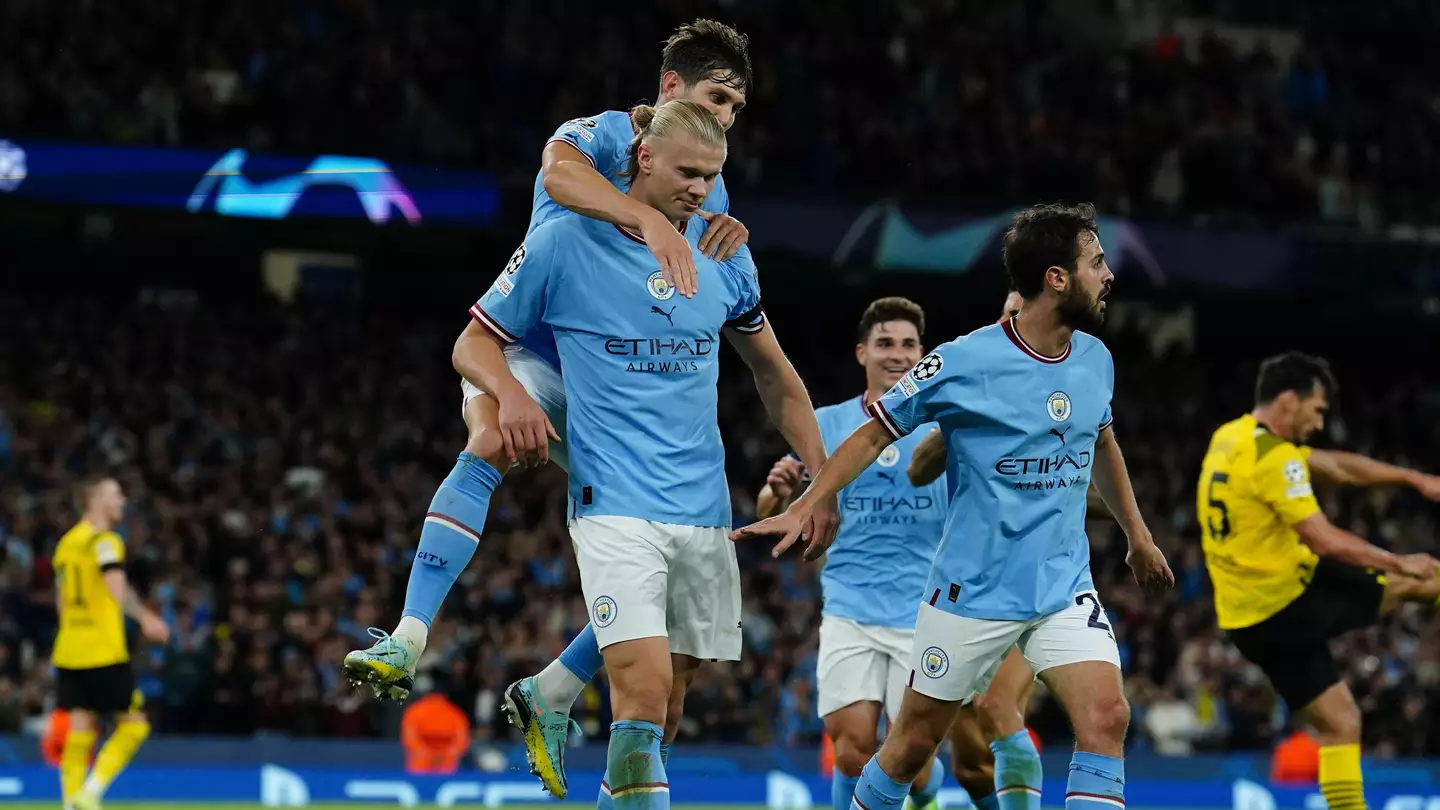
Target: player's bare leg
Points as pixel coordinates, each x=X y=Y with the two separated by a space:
x=1093 y=696
x=991 y=753
x=854 y=731
x=642 y=681
x=448 y=540
x=909 y=749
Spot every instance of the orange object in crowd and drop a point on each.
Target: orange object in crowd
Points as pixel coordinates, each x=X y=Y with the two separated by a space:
x=52 y=745
x=435 y=733
x=1296 y=760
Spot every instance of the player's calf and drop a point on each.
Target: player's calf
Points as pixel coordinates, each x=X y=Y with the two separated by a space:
x=641 y=681
x=1092 y=695
x=909 y=749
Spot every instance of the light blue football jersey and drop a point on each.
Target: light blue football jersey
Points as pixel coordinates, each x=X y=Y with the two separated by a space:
x=876 y=569
x=1020 y=431
x=605 y=140
x=641 y=365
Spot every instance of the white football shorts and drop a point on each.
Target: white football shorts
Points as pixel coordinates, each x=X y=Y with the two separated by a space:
x=956 y=657
x=862 y=662
x=644 y=579
x=544 y=384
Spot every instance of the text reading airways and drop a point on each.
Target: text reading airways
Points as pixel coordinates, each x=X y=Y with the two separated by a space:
x=676 y=351
x=1052 y=466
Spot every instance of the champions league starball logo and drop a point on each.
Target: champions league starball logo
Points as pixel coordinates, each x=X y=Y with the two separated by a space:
x=13 y=168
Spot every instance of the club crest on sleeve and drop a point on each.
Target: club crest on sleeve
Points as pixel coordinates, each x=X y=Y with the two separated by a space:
x=889 y=457
x=603 y=612
x=928 y=367
x=934 y=662
x=1058 y=406
x=660 y=289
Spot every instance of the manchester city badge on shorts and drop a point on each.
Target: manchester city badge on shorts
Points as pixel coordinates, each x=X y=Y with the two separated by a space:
x=1058 y=406
x=934 y=662
x=603 y=612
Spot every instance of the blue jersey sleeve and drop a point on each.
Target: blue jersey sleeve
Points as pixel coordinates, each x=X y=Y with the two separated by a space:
x=603 y=139
x=515 y=302
x=746 y=316
x=1109 y=376
x=936 y=386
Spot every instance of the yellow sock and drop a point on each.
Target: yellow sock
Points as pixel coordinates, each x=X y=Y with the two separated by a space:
x=116 y=753
x=74 y=759
x=1340 y=779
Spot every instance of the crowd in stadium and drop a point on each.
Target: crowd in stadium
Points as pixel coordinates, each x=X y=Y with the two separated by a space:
x=928 y=99
x=279 y=462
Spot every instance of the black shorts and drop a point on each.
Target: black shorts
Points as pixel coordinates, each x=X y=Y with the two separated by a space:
x=1293 y=646
x=105 y=690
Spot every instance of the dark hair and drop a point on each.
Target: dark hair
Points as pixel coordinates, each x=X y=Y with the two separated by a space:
x=706 y=49
x=1045 y=236
x=1293 y=371
x=884 y=310
x=85 y=487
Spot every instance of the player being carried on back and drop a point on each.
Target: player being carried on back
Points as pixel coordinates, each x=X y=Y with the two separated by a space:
x=889 y=529
x=583 y=170
x=1024 y=407
x=650 y=506
x=1286 y=579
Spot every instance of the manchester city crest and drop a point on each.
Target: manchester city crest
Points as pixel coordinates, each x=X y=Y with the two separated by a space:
x=604 y=611
x=660 y=289
x=1058 y=406
x=934 y=662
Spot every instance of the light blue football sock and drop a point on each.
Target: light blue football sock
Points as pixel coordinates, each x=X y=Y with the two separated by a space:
x=634 y=774
x=921 y=798
x=450 y=535
x=1017 y=772
x=583 y=657
x=877 y=791
x=842 y=790
x=1097 y=782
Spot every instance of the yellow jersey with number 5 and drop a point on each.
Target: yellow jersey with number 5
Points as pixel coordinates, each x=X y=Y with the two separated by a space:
x=1254 y=486
x=92 y=625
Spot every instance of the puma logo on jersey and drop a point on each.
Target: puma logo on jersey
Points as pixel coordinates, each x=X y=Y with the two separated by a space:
x=668 y=315
x=887 y=476
x=1057 y=433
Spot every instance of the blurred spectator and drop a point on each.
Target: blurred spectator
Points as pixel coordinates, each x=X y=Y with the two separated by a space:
x=1172 y=724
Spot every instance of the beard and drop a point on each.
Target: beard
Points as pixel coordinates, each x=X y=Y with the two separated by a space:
x=1081 y=312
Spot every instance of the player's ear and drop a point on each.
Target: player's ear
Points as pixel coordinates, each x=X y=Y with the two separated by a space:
x=860 y=353
x=644 y=158
x=1057 y=278
x=671 y=87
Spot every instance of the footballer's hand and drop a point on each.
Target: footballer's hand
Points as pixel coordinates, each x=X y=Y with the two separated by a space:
x=672 y=251
x=154 y=628
x=824 y=523
x=789 y=526
x=525 y=430
x=1419 y=566
x=722 y=240
x=785 y=477
x=1148 y=564
x=1428 y=486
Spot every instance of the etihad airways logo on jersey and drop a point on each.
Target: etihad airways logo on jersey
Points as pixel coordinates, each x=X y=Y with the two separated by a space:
x=661 y=355
x=888 y=511
x=1059 y=471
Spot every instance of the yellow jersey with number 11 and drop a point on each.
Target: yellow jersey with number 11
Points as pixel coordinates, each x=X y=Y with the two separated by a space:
x=92 y=625
x=1254 y=487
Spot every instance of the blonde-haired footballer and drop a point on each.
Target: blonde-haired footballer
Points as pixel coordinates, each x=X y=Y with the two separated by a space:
x=91 y=658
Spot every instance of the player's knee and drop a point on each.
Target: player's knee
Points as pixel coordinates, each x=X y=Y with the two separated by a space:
x=1338 y=723
x=1104 y=722
x=851 y=754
